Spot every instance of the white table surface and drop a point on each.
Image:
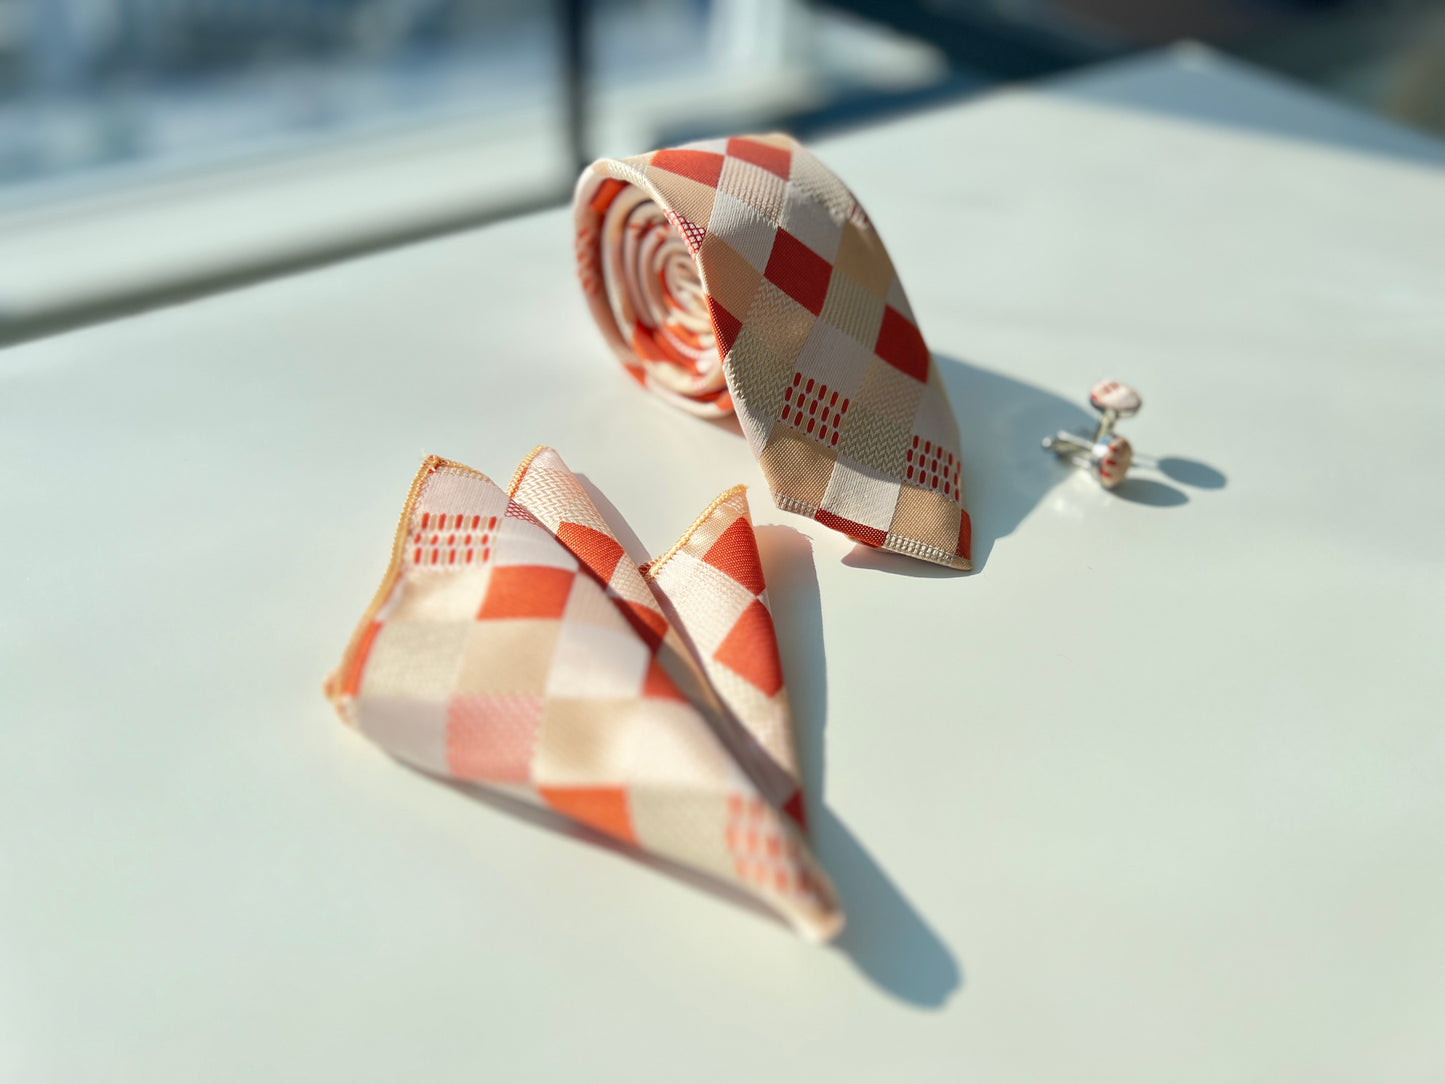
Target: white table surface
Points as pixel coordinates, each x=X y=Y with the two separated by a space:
x=1154 y=795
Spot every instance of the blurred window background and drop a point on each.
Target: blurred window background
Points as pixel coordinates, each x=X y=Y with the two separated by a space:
x=167 y=84
x=301 y=130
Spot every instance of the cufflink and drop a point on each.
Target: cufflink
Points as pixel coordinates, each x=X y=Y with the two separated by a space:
x=1106 y=455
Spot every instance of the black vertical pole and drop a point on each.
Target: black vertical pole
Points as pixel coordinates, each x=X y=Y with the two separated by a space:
x=572 y=20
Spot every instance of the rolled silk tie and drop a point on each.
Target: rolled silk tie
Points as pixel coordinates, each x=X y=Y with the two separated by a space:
x=741 y=275
x=515 y=645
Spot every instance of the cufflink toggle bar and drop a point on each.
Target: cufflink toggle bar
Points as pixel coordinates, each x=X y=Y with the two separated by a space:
x=1106 y=455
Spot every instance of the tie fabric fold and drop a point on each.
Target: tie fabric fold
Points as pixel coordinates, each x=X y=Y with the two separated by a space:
x=514 y=645
x=740 y=275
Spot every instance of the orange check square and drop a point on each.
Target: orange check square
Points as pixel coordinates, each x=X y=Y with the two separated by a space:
x=526 y=591
x=602 y=808
x=751 y=649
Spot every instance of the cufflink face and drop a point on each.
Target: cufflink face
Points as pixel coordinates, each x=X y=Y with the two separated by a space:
x=1110 y=395
x=1104 y=454
x=1110 y=459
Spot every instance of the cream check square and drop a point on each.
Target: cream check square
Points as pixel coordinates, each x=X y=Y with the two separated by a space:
x=809 y=175
x=768 y=716
x=875 y=443
x=834 y=358
x=684 y=578
x=853 y=309
x=662 y=751
x=809 y=221
x=511 y=657
x=754 y=186
x=522 y=543
x=861 y=496
x=592 y=607
x=747 y=231
x=779 y=321
x=674 y=823
x=412 y=729
x=415 y=658
x=441 y=596
x=890 y=394
x=597 y=662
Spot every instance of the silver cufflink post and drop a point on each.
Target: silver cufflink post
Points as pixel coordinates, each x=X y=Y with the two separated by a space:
x=1106 y=455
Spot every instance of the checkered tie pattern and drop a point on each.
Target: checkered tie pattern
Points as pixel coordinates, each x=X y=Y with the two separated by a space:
x=740 y=275
x=514 y=645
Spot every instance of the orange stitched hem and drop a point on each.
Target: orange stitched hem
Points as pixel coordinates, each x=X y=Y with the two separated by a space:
x=342 y=682
x=521 y=471
x=649 y=570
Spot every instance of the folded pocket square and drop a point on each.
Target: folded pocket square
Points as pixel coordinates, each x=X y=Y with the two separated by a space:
x=514 y=644
x=741 y=275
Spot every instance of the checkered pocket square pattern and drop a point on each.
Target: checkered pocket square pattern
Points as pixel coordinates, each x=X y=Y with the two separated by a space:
x=515 y=645
x=741 y=275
